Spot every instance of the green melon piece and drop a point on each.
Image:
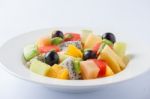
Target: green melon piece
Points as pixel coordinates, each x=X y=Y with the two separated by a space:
x=62 y=57
x=120 y=48
x=85 y=34
x=30 y=51
x=76 y=64
x=56 y=40
x=39 y=67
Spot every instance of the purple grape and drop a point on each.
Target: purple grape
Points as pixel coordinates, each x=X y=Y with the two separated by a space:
x=57 y=33
x=109 y=36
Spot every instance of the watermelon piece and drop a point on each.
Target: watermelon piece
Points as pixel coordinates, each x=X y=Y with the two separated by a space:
x=102 y=66
x=45 y=49
x=74 y=37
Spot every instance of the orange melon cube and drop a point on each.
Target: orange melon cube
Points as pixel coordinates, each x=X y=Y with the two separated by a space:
x=89 y=69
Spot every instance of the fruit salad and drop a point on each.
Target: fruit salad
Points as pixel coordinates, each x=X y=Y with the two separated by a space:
x=76 y=56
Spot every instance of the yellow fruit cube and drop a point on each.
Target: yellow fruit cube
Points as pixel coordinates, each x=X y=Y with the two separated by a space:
x=52 y=73
x=74 y=51
x=109 y=71
x=63 y=74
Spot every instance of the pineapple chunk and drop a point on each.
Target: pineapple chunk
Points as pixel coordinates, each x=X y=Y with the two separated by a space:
x=89 y=69
x=113 y=60
x=109 y=71
x=92 y=40
x=74 y=51
x=63 y=74
x=39 y=67
x=59 y=72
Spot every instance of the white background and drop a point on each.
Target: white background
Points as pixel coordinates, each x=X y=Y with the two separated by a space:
x=19 y=16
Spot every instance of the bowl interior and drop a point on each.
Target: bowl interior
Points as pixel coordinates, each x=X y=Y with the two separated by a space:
x=12 y=60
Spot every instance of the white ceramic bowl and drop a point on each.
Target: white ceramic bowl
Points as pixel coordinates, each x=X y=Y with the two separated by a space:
x=11 y=57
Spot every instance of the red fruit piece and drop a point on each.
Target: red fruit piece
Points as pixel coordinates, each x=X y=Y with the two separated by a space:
x=45 y=49
x=102 y=65
x=96 y=47
x=75 y=37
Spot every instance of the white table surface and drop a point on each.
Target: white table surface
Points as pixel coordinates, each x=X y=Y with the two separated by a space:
x=18 y=16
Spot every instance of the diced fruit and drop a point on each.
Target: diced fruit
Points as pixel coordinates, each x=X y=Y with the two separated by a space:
x=63 y=74
x=57 y=68
x=75 y=37
x=102 y=66
x=89 y=69
x=68 y=36
x=85 y=34
x=56 y=40
x=109 y=71
x=39 y=67
x=96 y=47
x=112 y=59
x=29 y=52
x=58 y=71
x=120 y=48
x=109 y=36
x=68 y=63
x=43 y=41
x=51 y=58
x=74 y=51
x=89 y=54
x=63 y=56
x=92 y=40
x=101 y=48
x=77 y=66
x=108 y=42
x=126 y=59
x=65 y=45
x=46 y=49
x=57 y=33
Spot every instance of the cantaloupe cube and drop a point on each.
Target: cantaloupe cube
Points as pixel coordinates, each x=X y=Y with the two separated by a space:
x=92 y=40
x=112 y=59
x=89 y=69
x=43 y=41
